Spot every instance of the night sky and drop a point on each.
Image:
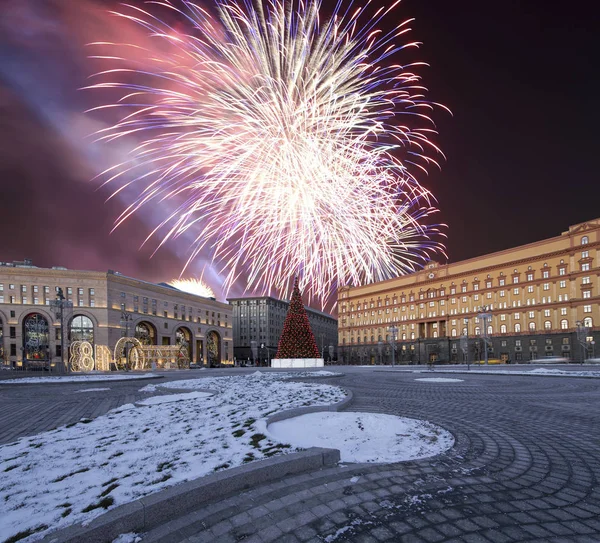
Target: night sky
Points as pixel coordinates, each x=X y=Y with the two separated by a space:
x=520 y=76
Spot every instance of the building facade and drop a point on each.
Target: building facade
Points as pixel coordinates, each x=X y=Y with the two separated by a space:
x=261 y=319
x=105 y=307
x=541 y=301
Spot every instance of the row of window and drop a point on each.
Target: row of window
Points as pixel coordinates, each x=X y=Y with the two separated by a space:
x=564 y=325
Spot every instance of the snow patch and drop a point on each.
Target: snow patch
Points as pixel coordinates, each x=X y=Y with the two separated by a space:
x=364 y=437
x=78 y=378
x=439 y=380
x=79 y=471
x=159 y=400
x=92 y=390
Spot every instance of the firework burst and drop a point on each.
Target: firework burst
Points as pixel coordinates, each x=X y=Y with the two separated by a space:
x=277 y=134
x=193 y=286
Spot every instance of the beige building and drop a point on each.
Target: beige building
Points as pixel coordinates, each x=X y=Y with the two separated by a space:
x=541 y=298
x=105 y=307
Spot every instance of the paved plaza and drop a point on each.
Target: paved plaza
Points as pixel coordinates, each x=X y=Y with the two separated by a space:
x=525 y=465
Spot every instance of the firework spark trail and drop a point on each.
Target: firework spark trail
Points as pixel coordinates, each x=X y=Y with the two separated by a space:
x=277 y=131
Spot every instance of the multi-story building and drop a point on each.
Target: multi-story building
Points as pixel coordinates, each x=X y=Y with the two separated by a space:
x=261 y=319
x=541 y=298
x=105 y=307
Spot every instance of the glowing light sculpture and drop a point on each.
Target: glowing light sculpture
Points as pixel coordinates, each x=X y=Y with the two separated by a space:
x=277 y=134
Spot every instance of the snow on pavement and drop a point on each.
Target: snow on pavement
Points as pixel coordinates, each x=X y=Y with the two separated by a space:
x=77 y=472
x=92 y=390
x=364 y=437
x=89 y=378
x=157 y=400
x=439 y=380
x=539 y=371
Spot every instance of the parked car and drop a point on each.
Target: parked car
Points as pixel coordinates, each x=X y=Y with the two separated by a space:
x=195 y=366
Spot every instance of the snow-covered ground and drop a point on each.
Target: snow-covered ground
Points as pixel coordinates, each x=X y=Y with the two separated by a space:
x=439 y=380
x=89 y=378
x=364 y=437
x=76 y=472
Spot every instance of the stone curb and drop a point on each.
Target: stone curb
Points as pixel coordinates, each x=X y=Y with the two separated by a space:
x=14 y=379
x=156 y=509
x=291 y=413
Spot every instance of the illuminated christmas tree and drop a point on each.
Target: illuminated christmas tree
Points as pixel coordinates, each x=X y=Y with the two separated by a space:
x=297 y=339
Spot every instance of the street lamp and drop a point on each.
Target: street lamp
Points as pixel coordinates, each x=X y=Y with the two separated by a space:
x=264 y=346
x=485 y=315
x=126 y=318
x=393 y=330
x=62 y=309
x=464 y=342
x=582 y=334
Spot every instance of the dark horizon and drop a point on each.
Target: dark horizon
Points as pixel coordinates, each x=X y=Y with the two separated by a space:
x=521 y=81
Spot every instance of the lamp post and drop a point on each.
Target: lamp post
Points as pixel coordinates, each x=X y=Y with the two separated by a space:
x=485 y=315
x=464 y=342
x=393 y=330
x=264 y=346
x=582 y=334
x=62 y=308
x=126 y=318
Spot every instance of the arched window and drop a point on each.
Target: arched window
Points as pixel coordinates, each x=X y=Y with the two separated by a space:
x=145 y=333
x=82 y=329
x=183 y=337
x=588 y=322
x=36 y=338
x=564 y=324
x=403 y=337
x=532 y=326
x=503 y=328
x=453 y=332
x=435 y=334
x=547 y=325
x=412 y=335
x=490 y=331
x=517 y=327
x=585 y=240
x=477 y=331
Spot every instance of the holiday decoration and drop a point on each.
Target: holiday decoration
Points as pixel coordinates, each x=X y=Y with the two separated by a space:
x=297 y=339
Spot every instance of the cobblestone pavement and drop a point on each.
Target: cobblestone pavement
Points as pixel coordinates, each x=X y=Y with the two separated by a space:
x=525 y=465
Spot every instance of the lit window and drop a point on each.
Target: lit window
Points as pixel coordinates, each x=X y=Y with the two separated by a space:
x=586 y=280
x=502 y=294
x=585 y=254
x=564 y=324
x=563 y=310
x=546 y=312
x=585 y=267
x=530 y=288
x=588 y=322
x=502 y=317
x=531 y=314
x=587 y=294
x=530 y=277
x=547 y=325
x=563 y=284
x=503 y=329
x=587 y=308
x=516 y=291
x=584 y=240
x=517 y=327
x=545 y=274
x=532 y=326
x=562 y=271
x=501 y=282
x=546 y=286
